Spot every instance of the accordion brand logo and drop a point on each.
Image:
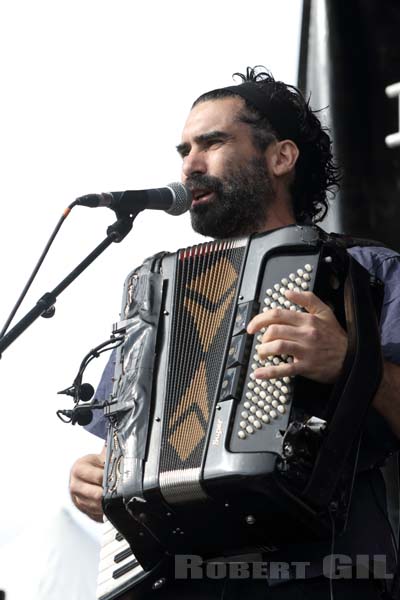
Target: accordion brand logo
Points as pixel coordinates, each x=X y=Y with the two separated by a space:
x=218 y=433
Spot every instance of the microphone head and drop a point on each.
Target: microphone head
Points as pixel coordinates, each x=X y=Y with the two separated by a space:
x=182 y=199
x=85 y=392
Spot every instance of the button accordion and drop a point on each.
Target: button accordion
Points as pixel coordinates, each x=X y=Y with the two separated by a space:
x=202 y=456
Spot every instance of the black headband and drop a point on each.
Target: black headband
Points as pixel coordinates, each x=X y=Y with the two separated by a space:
x=282 y=121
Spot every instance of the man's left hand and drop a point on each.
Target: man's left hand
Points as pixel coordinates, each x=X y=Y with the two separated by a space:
x=314 y=339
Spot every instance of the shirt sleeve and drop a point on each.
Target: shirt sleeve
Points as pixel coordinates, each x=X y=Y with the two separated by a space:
x=389 y=273
x=98 y=425
x=383 y=263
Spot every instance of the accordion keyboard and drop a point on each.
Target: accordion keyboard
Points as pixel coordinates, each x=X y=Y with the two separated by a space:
x=118 y=568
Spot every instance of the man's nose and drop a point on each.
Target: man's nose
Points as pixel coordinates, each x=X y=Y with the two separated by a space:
x=193 y=163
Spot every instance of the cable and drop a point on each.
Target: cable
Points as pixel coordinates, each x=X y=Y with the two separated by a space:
x=37 y=267
x=385 y=515
x=332 y=553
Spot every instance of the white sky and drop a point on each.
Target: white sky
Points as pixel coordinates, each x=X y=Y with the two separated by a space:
x=93 y=98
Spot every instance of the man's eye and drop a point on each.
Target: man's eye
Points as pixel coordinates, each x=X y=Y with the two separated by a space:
x=183 y=152
x=214 y=142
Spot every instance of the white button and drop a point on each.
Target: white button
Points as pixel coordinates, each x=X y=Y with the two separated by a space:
x=273 y=414
x=242 y=435
x=247 y=405
x=257 y=424
x=282 y=409
x=249 y=429
x=308 y=268
x=265 y=419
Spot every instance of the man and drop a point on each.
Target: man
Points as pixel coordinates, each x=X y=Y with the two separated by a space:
x=256 y=158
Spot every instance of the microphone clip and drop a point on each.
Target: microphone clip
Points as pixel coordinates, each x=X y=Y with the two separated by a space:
x=82 y=413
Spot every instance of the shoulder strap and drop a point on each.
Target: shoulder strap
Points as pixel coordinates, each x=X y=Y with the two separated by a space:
x=391 y=469
x=346 y=241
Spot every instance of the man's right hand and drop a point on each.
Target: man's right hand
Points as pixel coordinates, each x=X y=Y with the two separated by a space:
x=86 y=484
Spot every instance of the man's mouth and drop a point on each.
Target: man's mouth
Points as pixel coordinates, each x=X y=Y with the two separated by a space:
x=201 y=196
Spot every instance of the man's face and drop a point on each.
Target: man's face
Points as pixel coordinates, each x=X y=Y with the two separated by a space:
x=227 y=174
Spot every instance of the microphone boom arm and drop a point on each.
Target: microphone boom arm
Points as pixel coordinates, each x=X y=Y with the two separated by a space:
x=115 y=233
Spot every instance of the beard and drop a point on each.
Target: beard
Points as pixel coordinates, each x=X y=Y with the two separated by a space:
x=241 y=201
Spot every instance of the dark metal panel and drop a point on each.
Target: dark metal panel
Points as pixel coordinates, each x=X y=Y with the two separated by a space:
x=351 y=54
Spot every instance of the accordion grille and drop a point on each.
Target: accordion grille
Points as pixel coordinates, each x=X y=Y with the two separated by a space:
x=204 y=295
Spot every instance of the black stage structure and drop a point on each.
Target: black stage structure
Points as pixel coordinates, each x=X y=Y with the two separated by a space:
x=350 y=53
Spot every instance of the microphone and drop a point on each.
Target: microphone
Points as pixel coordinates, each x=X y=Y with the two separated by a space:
x=84 y=391
x=175 y=199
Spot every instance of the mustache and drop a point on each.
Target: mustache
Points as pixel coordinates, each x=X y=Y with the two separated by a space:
x=208 y=182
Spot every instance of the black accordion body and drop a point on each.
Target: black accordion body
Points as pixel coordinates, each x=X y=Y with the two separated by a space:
x=203 y=457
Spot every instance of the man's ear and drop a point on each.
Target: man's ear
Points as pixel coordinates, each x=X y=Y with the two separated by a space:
x=282 y=157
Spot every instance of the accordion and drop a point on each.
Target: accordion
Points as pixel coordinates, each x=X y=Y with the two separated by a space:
x=202 y=456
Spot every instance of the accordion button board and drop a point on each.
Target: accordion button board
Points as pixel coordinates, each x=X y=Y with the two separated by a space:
x=262 y=408
x=267 y=401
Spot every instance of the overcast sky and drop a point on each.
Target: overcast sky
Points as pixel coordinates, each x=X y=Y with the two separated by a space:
x=94 y=96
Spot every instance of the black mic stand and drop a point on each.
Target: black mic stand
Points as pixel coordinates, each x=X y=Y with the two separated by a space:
x=45 y=305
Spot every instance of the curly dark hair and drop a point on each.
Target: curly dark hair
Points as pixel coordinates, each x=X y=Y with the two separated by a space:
x=290 y=117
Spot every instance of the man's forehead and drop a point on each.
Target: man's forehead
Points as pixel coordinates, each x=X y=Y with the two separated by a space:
x=219 y=114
